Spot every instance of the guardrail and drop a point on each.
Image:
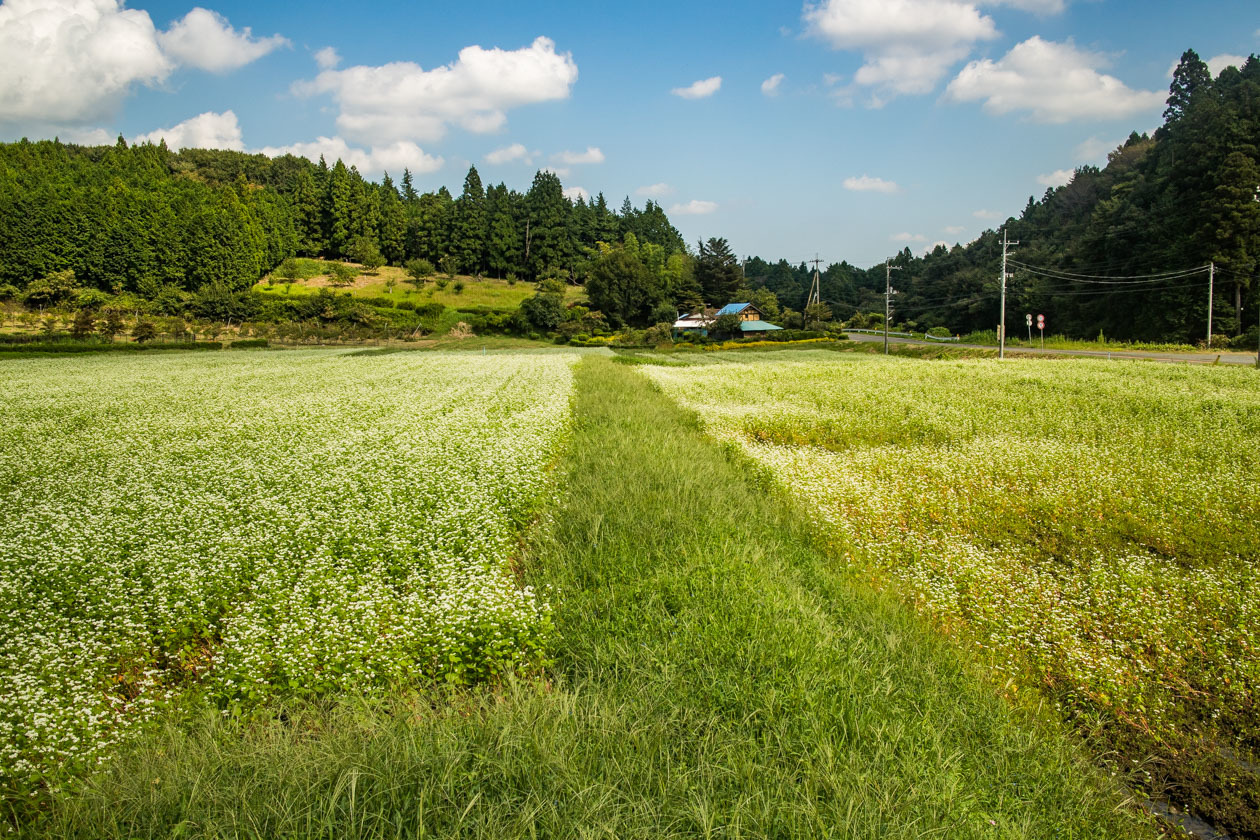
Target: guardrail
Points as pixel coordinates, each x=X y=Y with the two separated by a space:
x=908 y=335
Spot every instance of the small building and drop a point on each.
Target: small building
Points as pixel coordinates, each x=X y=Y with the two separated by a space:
x=697 y=323
x=750 y=317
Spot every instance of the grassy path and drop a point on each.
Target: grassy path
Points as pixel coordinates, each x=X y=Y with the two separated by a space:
x=715 y=678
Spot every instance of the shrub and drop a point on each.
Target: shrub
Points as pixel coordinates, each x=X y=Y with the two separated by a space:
x=409 y=305
x=383 y=302
x=247 y=343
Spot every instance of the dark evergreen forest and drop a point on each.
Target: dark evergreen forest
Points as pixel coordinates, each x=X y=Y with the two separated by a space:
x=147 y=221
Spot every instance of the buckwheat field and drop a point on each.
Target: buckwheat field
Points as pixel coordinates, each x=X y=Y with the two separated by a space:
x=260 y=525
x=1092 y=529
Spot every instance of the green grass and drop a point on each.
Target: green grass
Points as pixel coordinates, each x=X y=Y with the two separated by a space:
x=716 y=676
x=488 y=292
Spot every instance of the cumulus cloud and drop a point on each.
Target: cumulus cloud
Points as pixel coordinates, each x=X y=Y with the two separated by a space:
x=507 y=154
x=659 y=190
x=908 y=45
x=327 y=58
x=403 y=101
x=393 y=157
x=204 y=39
x=574 y=193
x=1037 y=7
x=1054 y=82
x=954 y=230
x=770 y=87
x=1217 y=63
x=908 y=237
x=1057 y=178
x=866 y=183
x=700 y=89
x=204 y=131
x=591 y=155
x=987 y=215
x=71 y=62
x=693 y=208
x=558 y=171
x=1094 y=148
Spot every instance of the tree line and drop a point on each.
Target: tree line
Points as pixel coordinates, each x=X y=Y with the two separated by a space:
x=141 y=219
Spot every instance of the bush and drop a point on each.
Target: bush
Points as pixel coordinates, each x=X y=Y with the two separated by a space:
x=409 y=305
x=1246 y=341
x=939 y=332
x=248 y=343
x=382 y=302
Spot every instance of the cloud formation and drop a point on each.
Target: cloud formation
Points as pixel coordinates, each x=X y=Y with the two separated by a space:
x=204 y=131
x=1054 y=82
x=866 y=183
x=574 y=193
x=699 y=90
x=1057 y=178
x=659 y=190
x=908 y=45
x=507 y=154
x=403 y=101
x=1037 y=7
x=392 y=157
x=770 y=87
x=591 y=155
x=954 y=230
x=327 y=58
x=71 y=62
x=908 y=237
x=694 y=207
x=205 y=40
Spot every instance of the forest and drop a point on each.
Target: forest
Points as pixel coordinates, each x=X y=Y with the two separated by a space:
x=1122 y=250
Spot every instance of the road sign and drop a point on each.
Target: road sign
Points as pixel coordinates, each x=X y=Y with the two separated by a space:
x=1028 y=320
x=1041 y=322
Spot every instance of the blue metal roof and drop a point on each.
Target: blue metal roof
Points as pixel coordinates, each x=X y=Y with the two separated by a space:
x=733 y=308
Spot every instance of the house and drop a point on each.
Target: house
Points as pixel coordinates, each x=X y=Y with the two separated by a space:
x=751 y=319
x=697 y=322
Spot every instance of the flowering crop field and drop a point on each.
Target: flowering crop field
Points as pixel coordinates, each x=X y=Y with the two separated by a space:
x=258 y=525
x=1092 y=527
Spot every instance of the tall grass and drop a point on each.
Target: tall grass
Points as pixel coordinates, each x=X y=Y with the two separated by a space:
x=716 y=677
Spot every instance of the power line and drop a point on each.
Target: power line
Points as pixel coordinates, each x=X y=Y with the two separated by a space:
x=1103 y=278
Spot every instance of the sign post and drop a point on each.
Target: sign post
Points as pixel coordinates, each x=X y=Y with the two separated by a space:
x=1028 y=321
x=1041 y=325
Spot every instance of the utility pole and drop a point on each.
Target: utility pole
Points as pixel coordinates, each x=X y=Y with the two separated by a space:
x=889 y=268
x=1211 y=289
x=1002 y=324
x=815 y=290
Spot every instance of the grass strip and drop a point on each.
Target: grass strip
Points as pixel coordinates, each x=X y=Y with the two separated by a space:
x=715 y=677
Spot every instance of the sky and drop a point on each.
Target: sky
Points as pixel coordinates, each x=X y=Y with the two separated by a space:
x=846 y=129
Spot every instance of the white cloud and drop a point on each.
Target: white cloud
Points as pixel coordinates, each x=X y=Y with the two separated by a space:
x=327 y=58
x=574 y=193
x=866 y=183
x=655 y=190
x=954 y=230
x=700 y=89
x=393 y=157
x=591 y=155
x=204 y=39
x=908 y=45
x=71 y=62
x=938 y=243
x=204 y=131
x=1056 y=82
x=507 y=154
x=987 y=215
x=402 y=101
x=1095 y=149
x=693 y=208
x=1217 y=63
x=88 y=136
x=558 y=171
x=1058 y=178
x=1038 y=7
x=770 y=87
x=908 y=237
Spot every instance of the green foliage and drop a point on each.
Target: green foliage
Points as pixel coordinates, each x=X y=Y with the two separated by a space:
x=418 y=271
x=144 y=330
x=620 y=286
x=84 y=324
x=341 y=274
x=51 y=289
x=449 y=265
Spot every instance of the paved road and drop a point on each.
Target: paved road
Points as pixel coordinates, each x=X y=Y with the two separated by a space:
x=1226 y=357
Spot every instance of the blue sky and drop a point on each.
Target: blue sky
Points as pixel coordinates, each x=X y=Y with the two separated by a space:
x=892 y=123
